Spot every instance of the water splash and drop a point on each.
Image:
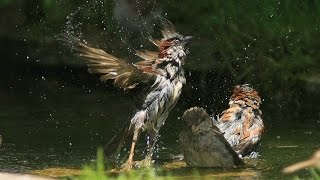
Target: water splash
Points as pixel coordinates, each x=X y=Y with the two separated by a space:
x=72 y=32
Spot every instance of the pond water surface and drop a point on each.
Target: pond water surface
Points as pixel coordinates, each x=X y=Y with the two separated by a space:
x=52 y=124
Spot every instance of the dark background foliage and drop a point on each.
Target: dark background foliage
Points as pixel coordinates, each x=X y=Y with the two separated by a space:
x=272 y=45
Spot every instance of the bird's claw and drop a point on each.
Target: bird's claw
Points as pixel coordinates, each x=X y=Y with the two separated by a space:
x=146 y=163
x=127 y=166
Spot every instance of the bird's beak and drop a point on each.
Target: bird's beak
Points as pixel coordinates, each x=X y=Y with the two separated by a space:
x=194 y=128
x=187 y=39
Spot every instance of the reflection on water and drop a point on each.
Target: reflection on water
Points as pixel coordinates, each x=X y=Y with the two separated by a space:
x=52 y=122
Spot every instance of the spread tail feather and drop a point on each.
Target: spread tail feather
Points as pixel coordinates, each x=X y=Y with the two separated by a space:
x=112 y=149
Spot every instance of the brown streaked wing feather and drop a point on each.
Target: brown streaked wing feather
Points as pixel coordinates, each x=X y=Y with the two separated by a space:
x=125 y=75
x=147 y=65
x=248 y=119
x=228 y=115
x=148 y=55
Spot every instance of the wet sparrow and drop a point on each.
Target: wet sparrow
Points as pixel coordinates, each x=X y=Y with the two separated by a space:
x=241 y=124
x=202 y=143
x=164 y=68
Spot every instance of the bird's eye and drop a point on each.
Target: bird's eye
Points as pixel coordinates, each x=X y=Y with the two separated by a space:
x=175 y=39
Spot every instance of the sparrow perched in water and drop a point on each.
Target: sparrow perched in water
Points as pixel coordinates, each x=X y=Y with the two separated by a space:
x=241 y=123
x=203 y=144
x=313 y=162
x=163 y=67
x=207 y=142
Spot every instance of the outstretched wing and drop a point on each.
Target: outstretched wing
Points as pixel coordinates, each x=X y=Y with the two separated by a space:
x=125 y=75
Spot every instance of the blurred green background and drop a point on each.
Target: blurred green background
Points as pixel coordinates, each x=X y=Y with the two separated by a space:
x=50 y=104
x=271 y=44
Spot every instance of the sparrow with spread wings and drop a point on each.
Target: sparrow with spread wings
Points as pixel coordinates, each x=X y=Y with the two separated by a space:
x=164 y=68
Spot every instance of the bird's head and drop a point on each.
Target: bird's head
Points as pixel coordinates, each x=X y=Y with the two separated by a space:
x=195 y=116
x=172 y=43
x=197 y=120
x=245 y=95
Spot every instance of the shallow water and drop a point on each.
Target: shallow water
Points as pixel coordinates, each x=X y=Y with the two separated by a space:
x=65 y=160
x=52 y=123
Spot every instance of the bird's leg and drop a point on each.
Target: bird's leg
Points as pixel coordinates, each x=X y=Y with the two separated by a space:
x=128 y=165
x=137 y=122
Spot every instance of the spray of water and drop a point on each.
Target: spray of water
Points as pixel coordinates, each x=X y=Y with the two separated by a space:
x=72 y=32
x=80 y=21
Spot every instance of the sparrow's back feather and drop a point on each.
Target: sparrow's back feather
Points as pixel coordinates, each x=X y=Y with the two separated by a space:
x=241 y=123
